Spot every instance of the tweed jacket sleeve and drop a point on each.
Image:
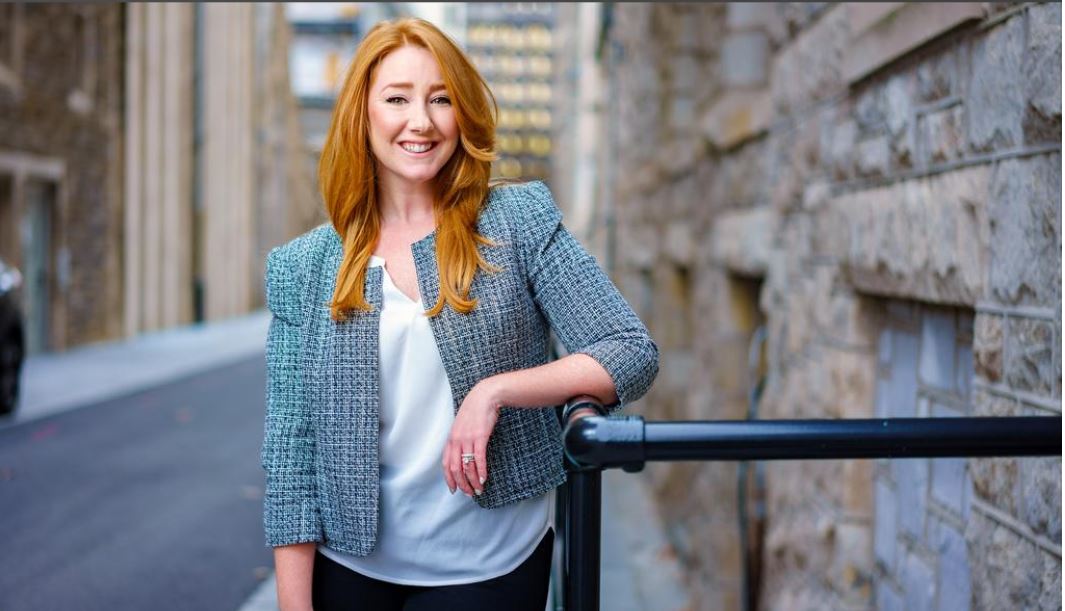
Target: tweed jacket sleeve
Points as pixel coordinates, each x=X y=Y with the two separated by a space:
x=288 y=453
x=583 y=307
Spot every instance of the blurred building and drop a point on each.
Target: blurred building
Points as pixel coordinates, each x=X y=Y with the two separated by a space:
x=511 y=44
x=866 y=197
x=324 y=38
x=149 y=158
x=578 y=181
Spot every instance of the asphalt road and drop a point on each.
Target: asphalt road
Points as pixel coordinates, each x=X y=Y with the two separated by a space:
x=147 y=502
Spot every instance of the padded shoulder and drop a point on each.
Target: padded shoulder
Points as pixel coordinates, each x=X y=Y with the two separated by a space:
x=286 y=267
x=529 y=212
x=527 y=202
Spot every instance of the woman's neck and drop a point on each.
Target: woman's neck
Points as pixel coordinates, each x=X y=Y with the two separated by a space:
x=405 y=203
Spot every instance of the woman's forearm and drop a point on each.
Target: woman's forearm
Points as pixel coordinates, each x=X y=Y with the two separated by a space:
x=553 y=383
x=294 y=565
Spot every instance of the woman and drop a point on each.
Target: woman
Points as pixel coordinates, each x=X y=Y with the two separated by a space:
x=407 y=354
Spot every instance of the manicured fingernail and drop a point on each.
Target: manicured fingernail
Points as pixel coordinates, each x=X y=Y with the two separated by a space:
x=452 y=490
x=479 y=492
x=482 y=480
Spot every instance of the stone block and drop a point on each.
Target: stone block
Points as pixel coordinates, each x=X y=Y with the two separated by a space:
x=1042 y=74
x=678 y=156
x=1050 y=582
x=937 y=348
x=736 y=117
x=1025 y=222
x=1030 y=355
x=685 y=201
x=684 y=73
x=923 y=239
x=950 y=481
x=641 y=245
x=996 y=88
x=881 y=33
x=809 y=69
x=845 y=318
x=678 y=243
x=858 y=489
x=741 y=176
x=911 y=479
x=741 y=240
x=1040 y=486
x=937 y=76
x=986 y=403
x=873 y=157
x=849 y=387
x=841 y=142
x=851 y=561
x=918 y=583
x=995 y=480
x=682 y=112
x=953 y=591
x=863 y=16
x=988 y=343
x=1006 y=570
x=745 y=59
x=942 y=135
x=898 y=110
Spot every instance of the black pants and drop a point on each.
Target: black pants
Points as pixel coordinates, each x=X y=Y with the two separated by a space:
x=337 y=588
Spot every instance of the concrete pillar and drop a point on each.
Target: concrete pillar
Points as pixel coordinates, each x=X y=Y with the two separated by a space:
x=227 y=161
x=159 y=106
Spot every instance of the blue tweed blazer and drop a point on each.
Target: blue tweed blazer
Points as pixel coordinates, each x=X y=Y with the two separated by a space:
x=320 y=447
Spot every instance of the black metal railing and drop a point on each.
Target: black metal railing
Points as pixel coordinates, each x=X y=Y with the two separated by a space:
x=595 y=443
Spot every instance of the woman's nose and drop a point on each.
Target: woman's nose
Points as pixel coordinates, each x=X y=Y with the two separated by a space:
x=419 y=119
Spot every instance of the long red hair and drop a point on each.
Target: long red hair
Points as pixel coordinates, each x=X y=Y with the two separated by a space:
x=346 y=170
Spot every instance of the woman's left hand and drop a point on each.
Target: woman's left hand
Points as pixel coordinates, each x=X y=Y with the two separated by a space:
x=473 y=426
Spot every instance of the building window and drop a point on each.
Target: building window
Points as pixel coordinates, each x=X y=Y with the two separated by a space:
x=924 y=369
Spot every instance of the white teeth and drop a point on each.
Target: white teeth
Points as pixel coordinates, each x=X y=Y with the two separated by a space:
x=416 y=148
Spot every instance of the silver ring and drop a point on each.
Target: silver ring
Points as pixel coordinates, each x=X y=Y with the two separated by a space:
x=468 y=458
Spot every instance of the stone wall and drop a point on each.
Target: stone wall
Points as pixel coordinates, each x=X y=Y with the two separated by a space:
x=820 y=168
x=98 y=121
x=61 y=74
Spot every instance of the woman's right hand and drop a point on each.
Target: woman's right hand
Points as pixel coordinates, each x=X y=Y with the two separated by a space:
x=294 y=566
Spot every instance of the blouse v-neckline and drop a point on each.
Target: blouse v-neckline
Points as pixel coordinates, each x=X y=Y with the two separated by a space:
x=376 y=261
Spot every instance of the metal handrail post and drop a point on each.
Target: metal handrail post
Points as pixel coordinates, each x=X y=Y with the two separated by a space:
x=583 y=534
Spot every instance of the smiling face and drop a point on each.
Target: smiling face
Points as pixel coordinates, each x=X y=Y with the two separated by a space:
x=413 y=131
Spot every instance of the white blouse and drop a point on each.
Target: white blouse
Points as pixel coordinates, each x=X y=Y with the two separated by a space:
x=427 y=536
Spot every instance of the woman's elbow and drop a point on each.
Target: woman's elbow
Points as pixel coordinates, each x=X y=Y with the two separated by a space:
x=649 y=352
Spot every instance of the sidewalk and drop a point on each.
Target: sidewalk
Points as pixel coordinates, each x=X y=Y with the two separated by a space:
x=52 y=383
x=639 y=572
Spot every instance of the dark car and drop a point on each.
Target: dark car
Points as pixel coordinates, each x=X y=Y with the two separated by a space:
x=12 y=347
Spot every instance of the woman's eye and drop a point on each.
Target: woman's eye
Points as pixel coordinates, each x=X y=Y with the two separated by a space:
x=395 y=100
x=442 y=100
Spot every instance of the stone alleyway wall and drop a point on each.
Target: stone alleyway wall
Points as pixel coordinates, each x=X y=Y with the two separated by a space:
x=880 y=186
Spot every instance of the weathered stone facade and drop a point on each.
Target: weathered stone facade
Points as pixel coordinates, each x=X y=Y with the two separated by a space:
x=150 y=156
x=61 y=125
x=880 y=186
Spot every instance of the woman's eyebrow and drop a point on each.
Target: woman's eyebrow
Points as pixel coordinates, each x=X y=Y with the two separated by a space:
x=433 y=87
